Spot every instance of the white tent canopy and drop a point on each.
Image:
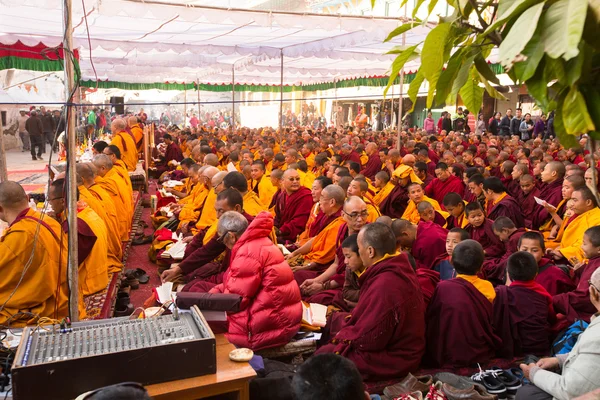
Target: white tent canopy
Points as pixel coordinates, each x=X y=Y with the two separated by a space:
x=150 y=41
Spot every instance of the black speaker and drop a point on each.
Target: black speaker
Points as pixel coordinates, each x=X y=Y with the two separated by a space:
x=117 y=105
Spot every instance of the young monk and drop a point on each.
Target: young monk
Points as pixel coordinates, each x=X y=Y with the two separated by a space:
x=459 y=317
x=443 y=264
x=416 y=196
x=384 y=187
x=455 y=206
x=481 y=229
x=576 y=304
x=426 y=241
x=523 y=311
x=354 y=269
x=529 y=191
x=552 y=278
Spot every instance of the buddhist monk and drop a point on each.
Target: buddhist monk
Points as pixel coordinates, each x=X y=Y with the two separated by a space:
x=92 y=239
x=529 y=191
x=550 y=191
x=33 y=262
x=429 y=214
x=261 y=184
x=292 y=208
x=396 y=202
x=106 y=211
x=172 y=153
x=523 y=311
x=136 y=130
x=326 y=287
x=499 y=203
x=576 y=304
x=317 y=219
x=443 y=264
x=444 y=183
x=359 y=187
x=214 y=184
x=252 y=204
x=374 y=164
x=125 y=141
x=560 y=218
x=114 y=154
x=426 y=241
x=508 y=233
x=384 y=336
x=552 y=278
x=116 y=187
x=384 y=187
x=462 y=308
x=189 y=207
x=455 y=206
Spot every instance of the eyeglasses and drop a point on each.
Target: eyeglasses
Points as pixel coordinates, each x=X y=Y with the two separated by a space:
x=364 y=214
x=294 y=179
x=221 y=238
x=594 y=286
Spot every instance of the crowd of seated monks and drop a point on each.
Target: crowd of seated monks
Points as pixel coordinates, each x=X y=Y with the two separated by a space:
x=429 y=251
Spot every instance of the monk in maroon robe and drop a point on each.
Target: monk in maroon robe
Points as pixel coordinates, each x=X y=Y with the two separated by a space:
x=348 y=154
x=505 y=229
x=500 y=203
x=444 y=184
x=395 y=203
x=293 y=208
x=427 y=240
x=550 y=191
x=385 y=335
x=576 y=304
x=523 y=311
x=172 y=153
x=527 y=199
x=459 y=316
x=374 y=164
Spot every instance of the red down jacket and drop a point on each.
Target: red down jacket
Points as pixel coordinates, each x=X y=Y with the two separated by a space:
x=270 y=311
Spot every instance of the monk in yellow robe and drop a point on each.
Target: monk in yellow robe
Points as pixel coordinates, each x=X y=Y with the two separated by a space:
x=108 y=179
x=189 y=207
x=306 y=176
x=252 y=204
x=309 y=155
x=208 y=215
x=261 y=184
x=107 y=213
x=114 y=153
x=384 y=187
x=320 y=250
x=359 y=188
x=33 y=260
x=137 y=131
x=416 y=195
x=125 y=141
x=92 y=240
x=587 y=215
x=268 y=155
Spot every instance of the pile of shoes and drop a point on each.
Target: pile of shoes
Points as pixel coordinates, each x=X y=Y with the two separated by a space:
x=485 y=385
x=131 y=281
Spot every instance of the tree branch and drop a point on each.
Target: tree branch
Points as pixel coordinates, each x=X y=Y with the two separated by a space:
x=482 y=22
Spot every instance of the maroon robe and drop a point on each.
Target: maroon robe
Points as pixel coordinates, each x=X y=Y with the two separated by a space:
x=552 y=278
x=385 y=335
x=292 y=212
x=428 y=280
x=528 y=205
x=552 y=193
x=321 y=221
x=468 y=196
x=513 y=187
x=372 y=167
x=353 y=156
x=86 y=239
x=459 y=326
x=428 y=179
x=576 y=304
x=522 y=319
x=429 y=244
x=496 y=270
x=493 y=247
x=507 y=207
x=395 y=203
x=172 y=152
x=438 y=189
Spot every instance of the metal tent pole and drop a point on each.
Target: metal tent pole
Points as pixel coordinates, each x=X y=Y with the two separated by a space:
x=73 y=265
x=233 y=98
x=3 y=169
x=281 y=99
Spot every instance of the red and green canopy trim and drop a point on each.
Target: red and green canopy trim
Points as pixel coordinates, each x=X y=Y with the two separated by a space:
x=33 y=58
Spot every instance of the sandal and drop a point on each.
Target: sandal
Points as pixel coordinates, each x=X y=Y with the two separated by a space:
x=138 y=274
x=137 y=241
x=132 y=282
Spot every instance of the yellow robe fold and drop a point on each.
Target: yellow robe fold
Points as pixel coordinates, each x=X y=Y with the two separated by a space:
x=43 y=290
x=383 y=193
x=93 y=271
x=373 y=210
x=266 y=190
x=129 y=153
x=191 y=209
x=208 y=216
x=138 y=134
x=570 y=245
x=121 y=169
x=305 y=236
x=310 y=161
x=323 y=249
x=118 y=195
x=412 y=214
x=252 y=204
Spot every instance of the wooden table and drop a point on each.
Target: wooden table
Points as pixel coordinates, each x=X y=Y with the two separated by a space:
x=230 y=377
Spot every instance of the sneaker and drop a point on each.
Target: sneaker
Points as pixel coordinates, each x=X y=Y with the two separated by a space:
x=435 y=392
x=474 y=392
x=491 y=383
x=511 y=382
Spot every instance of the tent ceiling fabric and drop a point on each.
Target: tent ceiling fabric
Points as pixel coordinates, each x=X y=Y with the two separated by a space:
x=135 y=41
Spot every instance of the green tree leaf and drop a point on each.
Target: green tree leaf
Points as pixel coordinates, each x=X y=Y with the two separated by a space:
x=575 y=115
x=373 y=3
x=562 y=28
x=519 y=35
x=401 y=29
x=537 y=86
x=533 y=53
x=417 y=6
x=433 y=3
x=484 y=69
x=413 y=88
x=461 y=79
x=432 y=56
x=506 y=10
x=592 y=99
x=447 y=77
x=472 y=94
x=398 y=64
x=555 y=70
x=490 y=89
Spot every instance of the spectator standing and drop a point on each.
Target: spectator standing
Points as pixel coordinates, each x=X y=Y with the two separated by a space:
x=539 y=129
x=23 y=134
x=480 y=125
x=48 y=128
x=429 y=124
x=526 y=127
x=515 y=123
x=495 y=124
x=505 y=124
x=36 y=133
x=440 y=122
x=550 y=127
x=459 y=122
x=447 y=122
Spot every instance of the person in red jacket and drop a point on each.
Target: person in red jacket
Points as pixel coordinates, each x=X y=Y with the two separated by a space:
x=271 y=309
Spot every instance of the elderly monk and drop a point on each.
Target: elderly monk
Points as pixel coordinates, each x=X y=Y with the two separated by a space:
x=550 y=191
x=261 y=184
x=208 y=215
x=292 y=208
x=133 y=123
x=252 y=204
x=426 y=241
x=384 y=187
x=319 y=250
x=359 y=187
x=33 y=262
x=444 y=183
x=499 y=203
x=396 y=202
x=92 y=239
x=106 y=211
x=327 y=287
x=125 y=141
x=108 y=179
x=416 y=196
x=373 y=165
x=348 y=154
x=462 y=308
x=385 y=335
x=189 y=207
x=114 y=154
x=317 y=219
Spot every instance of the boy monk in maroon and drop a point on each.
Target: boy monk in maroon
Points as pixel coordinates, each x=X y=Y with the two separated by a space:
x=523 y=311
x=385 y=335
x=459 y=316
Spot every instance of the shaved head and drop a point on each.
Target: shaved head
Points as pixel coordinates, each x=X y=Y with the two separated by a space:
x=210 y=172
x=211 y=159
x=119 y=124
x=103 y=164
x=132 y=121
x=13 y=200
x=335 y=192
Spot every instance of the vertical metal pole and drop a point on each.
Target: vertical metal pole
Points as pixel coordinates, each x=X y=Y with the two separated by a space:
x=401 y=102
x=281 y=99
x=198 y=96
x=3 y=169
x=73 y=265
x=392 y=106
x=232 y=119
x=184 y=106
x=335 y=107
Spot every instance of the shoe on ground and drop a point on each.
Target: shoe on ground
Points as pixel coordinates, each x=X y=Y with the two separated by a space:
x=491 y=383
x=408 y=385
x=435 y=392
x=510 y=381
x=34 y=158
x=417 y=395
x=122 y=300
x=124 y=311
x=457 y=381
x=475 y=392
x=133 y=283
x=40 y=158
x=142 y=240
